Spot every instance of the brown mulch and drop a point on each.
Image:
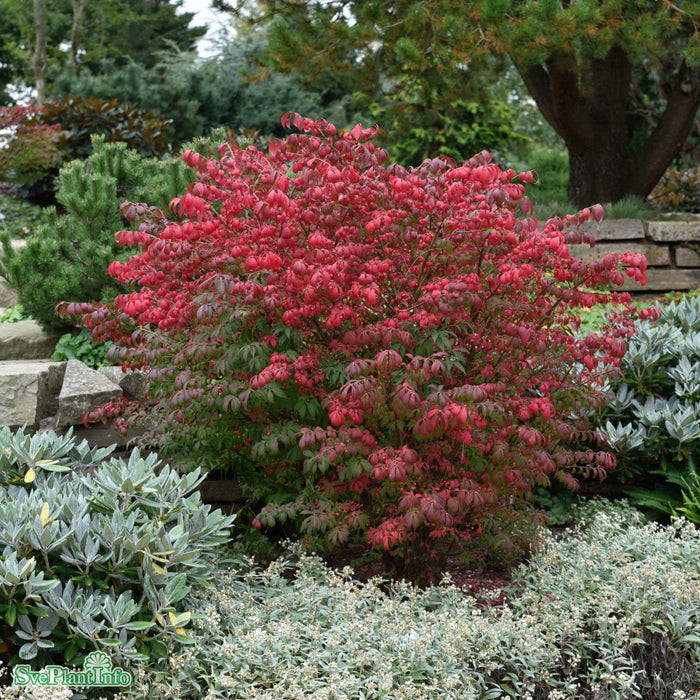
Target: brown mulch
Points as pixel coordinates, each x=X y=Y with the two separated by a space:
x=483 y=583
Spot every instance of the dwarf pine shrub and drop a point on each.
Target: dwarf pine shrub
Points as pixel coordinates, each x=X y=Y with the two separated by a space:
x=68 y=255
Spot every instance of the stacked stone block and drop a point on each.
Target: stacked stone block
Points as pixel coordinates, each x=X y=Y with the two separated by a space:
x=672 y=250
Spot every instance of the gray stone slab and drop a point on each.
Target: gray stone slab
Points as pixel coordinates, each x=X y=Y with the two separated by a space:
x=104 y=435
x=25 y=340
x=83 y=390
x=616 y=229
x=686 y=257
x=673 y=231
x=132 y=382
x=8 y=296
x=666 y=280
x=26 y=389
x=656 y=255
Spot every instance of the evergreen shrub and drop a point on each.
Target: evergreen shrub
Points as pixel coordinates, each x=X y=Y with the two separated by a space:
x=376 y=350
x=653 y=420
x=97 y=553
x=68 y=255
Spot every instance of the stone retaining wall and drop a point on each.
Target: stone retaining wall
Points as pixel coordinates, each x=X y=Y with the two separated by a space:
x=671 y=249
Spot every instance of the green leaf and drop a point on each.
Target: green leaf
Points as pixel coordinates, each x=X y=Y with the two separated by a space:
x=11 y=615
x=139 y=625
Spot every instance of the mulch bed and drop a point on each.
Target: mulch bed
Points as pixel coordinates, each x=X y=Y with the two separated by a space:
x=485 y=584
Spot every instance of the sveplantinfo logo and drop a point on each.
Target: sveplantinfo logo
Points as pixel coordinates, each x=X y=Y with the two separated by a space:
x=97 y=672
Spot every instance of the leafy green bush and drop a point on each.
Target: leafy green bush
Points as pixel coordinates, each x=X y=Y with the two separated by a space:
x=14 y=315
x=609 y=610
x=81 y=346
x=678 y=190
x=457 y=131
x=97 y=553
x=653 y=419
x=67 y=258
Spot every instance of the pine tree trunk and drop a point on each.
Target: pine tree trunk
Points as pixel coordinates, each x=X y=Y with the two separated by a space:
x=591 y=116
x=599 y=175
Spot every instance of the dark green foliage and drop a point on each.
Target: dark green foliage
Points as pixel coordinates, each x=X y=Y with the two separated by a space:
x=83 y=117
x=557 y=503
x=137 y=30
x=170 y=87
x=232 y=91
x=652 y=421
x=9 y=65
x=198 y=96
x=119 y=30
x=81 y=346
x=67 y=258
x=678 y=190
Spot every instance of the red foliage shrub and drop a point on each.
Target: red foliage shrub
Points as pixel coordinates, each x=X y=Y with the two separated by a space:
x=386 y=350
x=31 y=148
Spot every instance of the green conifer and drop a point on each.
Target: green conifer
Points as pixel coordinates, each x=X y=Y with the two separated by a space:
x=67 y=256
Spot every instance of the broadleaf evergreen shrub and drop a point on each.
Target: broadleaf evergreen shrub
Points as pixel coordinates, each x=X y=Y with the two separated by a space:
x=82 y=118
x=97 y=553
x=67 y=257
x=653 y=420
x=374 y=349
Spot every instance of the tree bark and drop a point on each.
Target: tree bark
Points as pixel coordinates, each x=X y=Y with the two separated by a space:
x=671 y=132
x=590 y=114
x=39 y=58
x=79 y=10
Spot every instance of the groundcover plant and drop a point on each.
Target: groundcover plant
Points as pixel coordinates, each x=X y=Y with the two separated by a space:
x=374 y=350
x=607 y=611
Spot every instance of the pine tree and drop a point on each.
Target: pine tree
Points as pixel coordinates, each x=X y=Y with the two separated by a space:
x=67 y=256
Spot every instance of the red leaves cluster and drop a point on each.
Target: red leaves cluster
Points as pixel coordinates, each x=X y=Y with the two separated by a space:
x=422 y=308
